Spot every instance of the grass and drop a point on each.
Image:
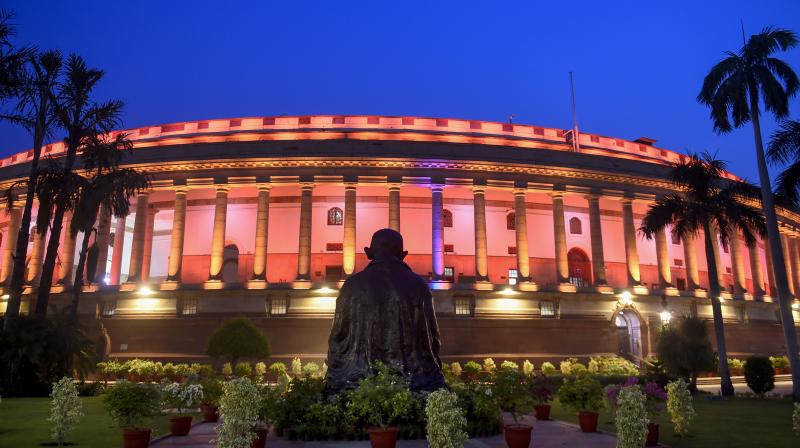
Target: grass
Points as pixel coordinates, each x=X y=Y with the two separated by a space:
x=734 y=423
x=23 y=424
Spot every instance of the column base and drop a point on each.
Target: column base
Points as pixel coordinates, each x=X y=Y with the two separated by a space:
x=213 y=284
x=725 y=295
x=640 y=290
x=671 y=291
x=28 y=289
x=483 y=286
x=256 y=284
x=699 y=292
x=128 y=286
x=527 y=286
x=169 y=285
x=340 y=283
x=743 y=296
x=567 y=287
x=765 y=298
x=301 y=284
x=91 y=288
x=604 y=289
x=440 y=285
x=57 y=289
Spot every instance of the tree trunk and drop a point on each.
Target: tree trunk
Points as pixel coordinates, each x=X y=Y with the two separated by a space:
x=77 y=284
x=716 y=307
x=778 y=261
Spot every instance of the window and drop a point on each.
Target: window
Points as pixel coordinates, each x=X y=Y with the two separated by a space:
x=728 y=270
x=447 y=218
x=547 y=308
x=677 y=262
x=334 y=273
x=675 y=239
x=512 y=276
x=448 y=248
x=277 y=306
x=187 y=306
x=32 y=235
x=108 y=309
x=512 y=250
x=511 y=221
x=334 y=247
x=681 y=284
x=463 y=306
x=449 y=274
x=575 y=226
x=335 y=216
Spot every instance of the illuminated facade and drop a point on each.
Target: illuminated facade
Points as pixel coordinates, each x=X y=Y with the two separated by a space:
x=531 y=247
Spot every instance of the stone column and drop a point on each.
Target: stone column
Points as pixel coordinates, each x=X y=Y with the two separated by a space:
x=218 y=234
x=147 y=253
x=175 y=261
x=394 y=206
x=794 y=258
x=787 y=261
x=437 y=231
x=560 y=238
x=737 y=263
x=631 y=251
x=481 y=246
x=521 y=226
x=262 y=234
x=102 y=239
x=65 y=276
x=662 y=259
x=15 y=216
x=304 y=246
x=772 y=291
x=718 y=259
x=37 y=254
x=116 y=254
x=137 y=245
x=690 y=260
x=349 y=240
x=596 y=235
x=755 y=268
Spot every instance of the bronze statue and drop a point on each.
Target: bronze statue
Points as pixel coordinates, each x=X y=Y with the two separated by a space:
x=385 y=313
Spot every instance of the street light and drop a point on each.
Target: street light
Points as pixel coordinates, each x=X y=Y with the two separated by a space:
x=625 y=298
x=666 y=316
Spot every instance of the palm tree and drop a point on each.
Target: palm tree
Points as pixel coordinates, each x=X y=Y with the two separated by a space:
x=82 y=119
x=708 y=202
x=732 y=90
x=12 y=59
x=33 y=111
x=784 y=149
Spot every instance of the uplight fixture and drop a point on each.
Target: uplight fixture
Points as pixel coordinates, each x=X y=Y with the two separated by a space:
x=625 y=298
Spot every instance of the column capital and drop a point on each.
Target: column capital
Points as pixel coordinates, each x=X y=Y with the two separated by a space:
x=520 y=191
x=479 y=189
x=263 y=186
x=592 y=196
x=350 y=186
x=437 y=188
x=626 y=200
x=144 y=193
x=306 y=186
x=222 y=188
x=557 y=194
x=181 y=189
x=395 y=186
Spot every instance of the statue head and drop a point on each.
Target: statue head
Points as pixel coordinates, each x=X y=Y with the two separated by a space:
x=386 y=243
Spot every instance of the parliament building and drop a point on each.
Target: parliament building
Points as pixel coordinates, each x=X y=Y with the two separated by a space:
x=527 y=235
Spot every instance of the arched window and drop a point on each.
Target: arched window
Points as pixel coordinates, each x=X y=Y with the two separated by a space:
x=230 y=263
x=580 y=268
x=447 y=218
x=335 y=216
x=511 y=221
x=575 y=226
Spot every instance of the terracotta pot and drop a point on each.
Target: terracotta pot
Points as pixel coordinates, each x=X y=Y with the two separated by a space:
x=180 y=425
x=542 y=411
x=652 y=435
x=261 y=438
x=587 y=420
x=383 y=438
x=210 y=413
x=135 y=438
x=517 y=435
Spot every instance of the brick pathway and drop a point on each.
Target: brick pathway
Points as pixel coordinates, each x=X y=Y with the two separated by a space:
x=549 y=434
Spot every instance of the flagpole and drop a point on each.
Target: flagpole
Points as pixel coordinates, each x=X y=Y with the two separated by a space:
x=576 y=146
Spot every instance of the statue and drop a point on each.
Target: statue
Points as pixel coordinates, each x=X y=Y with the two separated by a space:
x=384 y=313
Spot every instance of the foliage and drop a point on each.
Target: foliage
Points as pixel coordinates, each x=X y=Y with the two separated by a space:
x=680 y=406
x=548 y=368
x=512 y=390
x=612 y=365
x=131 y=403
x=238 y=410
x=455 y=369
x=89 y=389
x=779 y=362
x=684 y=348
x=261 y=371
x=311 y=369
x=269 y=405
x=654 y=395
x=181 y=396
x=227 y=369
x=471 y=369
x=735 y=363
x=509 y=365
x=301 y=393
x=489 y=365
x=243 y=369
x=238 y=338
x=759 y=374
x=631 y=418
x=66 y=409
x=484 y=416
x=796 y=418
x=381 y=399
x=447 y=423
x=527 y=367
x=583 y=393
x=277 y=369
x=297 y=367
x=541 y=389
x=571 y=366
x=212 y=390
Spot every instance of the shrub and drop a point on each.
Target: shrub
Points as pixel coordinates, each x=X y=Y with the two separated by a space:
x=685 y=350
x=509 y=365
x=571 y=366
x=65 y=409
x=381 y=399
x=512 y=390
x=527 y=368
x=779 y=362
x=238 y=410
x=227 y=369
x=301 y=392
x=759 y=374
x=244 y=369
x=680 y=406
x=261 y=371
x=311 y=369
x=489 y=365
x=170 y=372
x=455 y=369
x=277 y=369
x=578 y=369
x=548 y=368
x=131 y=403
x=796 y=418
x=593 y=366
x=297 y=367
x=447 y=424
x=612 y=365
x=181 y=396
x=212 y=391
x=631 y=418
x=322 y=421
x=471 y=369
x=484 y=417
x=238 y=338
x=582 y=393
x=90 y=389
x=542 y=389
x=735 y=363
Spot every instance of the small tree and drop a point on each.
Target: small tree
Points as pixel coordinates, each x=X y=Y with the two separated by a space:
x=680 y=406
x=238 y=338
x=238 y=408
x=631 y=417
x=447 y=424
x=685 y=349
x=513 y=391
x=759 y=374
x=65 y=409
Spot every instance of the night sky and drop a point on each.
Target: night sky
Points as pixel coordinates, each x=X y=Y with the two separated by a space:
x=637 y=68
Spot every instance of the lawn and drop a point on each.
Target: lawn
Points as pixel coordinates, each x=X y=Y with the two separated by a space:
x=734 y=423
x=23 y=424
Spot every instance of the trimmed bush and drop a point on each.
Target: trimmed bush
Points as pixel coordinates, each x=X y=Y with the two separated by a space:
x=238 y=338
x=238 y=410
x=447 y=425
x=548 y=368
x=131 y=403
x=759 y=374
x=583 y=393
x=243 y=369
x=631 y=418
x=680 y=406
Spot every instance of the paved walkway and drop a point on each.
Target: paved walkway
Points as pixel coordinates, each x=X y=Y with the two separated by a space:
x=548 y=434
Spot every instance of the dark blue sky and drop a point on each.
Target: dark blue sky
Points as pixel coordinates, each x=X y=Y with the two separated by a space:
x=637 y=67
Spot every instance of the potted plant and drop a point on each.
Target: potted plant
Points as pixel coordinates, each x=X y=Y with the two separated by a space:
x=129 y=405
x=583 y=395
x=542 y=396
x=239 y=410
x=181 y=397
x=269 y=409
x=512 y=390
x=378 y=402
x=471 y=370
x=446 y=420
x=212 y=391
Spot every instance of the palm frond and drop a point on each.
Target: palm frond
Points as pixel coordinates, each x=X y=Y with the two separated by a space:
x=784 y=144
x=788 y=182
